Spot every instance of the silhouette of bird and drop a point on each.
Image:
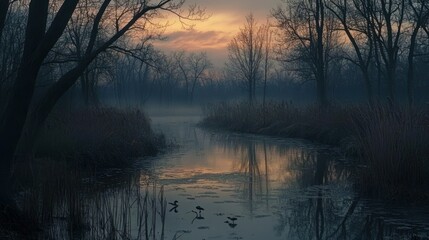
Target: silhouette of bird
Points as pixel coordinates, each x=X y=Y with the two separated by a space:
x=175 y=203
x=232 y=219
x=174 y=209
x=199 y=208
x=231 y=224
x=197 y=216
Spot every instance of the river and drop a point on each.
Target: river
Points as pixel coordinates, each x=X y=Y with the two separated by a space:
x=257 y=187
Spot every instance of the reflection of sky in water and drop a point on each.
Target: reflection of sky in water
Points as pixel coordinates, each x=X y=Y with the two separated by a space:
x=276 y=188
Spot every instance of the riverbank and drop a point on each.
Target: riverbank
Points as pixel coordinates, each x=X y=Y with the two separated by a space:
x=393 y=142
x=99 y=137
x=64 y=189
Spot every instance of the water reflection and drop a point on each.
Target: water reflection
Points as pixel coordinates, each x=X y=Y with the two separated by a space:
x=197 y=216
x=263 y=188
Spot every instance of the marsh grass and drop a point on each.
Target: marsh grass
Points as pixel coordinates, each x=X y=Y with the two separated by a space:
x=59 y=193
x=394 y=141
x=280 y=119
x=102 y=137
x=391 y=141
x=65 y=202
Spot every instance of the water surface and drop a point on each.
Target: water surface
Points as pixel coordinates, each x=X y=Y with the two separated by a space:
x=255 y=187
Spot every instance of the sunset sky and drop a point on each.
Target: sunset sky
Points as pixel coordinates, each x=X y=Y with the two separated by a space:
x=214 y=34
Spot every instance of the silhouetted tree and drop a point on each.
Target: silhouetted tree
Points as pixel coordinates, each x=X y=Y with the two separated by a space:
x=10 y=50
x=307 y=37
x=267 y=58
x=386 y=22
x=418 y=15
x=40 y=38
x=198 y=65
x=354 y=18
x=246 y=51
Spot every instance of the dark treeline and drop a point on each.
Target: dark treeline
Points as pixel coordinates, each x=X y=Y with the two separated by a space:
x=384 y=43
x=328 y=51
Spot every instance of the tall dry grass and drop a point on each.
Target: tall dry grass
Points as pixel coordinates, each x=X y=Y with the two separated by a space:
x=59 y=196
x=64 y=202
x=104 y=137
x=280 y=119
x=392 y=141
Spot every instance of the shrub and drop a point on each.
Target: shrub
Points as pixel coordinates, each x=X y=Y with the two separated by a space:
x=103 y=137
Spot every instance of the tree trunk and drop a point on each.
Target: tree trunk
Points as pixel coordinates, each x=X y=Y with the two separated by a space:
x=4 y=7
x=36 y=47
x=26 y=144
x=13 y=122
x=369 y=92
x=250 y=91
x=42 y=109
x=391 y=85
x=85 y=89
x=410 y=72
x=191 y=98
x=22 y=92
x=321 y=92
x=320 y=55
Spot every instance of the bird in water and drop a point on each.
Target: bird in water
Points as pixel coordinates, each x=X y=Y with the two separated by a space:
x=199 y=208
x=233 y=219
x=197 y=216
x=175 y=203
x=231 y=224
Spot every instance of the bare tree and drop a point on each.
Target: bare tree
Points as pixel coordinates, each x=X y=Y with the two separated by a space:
x=10 y=50
x=307 y=37
x=192 y=67
x=181 y=61
x=387 y=18
x=355 y=20
x=267 y=58
x=170 y=75
x=132 y=80
x=418 y=16
x=246 y=51
x=198 y=65
x=39 y=41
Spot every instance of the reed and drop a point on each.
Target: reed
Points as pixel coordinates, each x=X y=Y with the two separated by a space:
x=102 y=137
x=391 y=141
x=66 y=204
x=394 y=142
x=280 y=119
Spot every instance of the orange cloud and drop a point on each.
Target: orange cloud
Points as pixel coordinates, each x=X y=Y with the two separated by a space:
x=195 y=40
x=212 y=35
